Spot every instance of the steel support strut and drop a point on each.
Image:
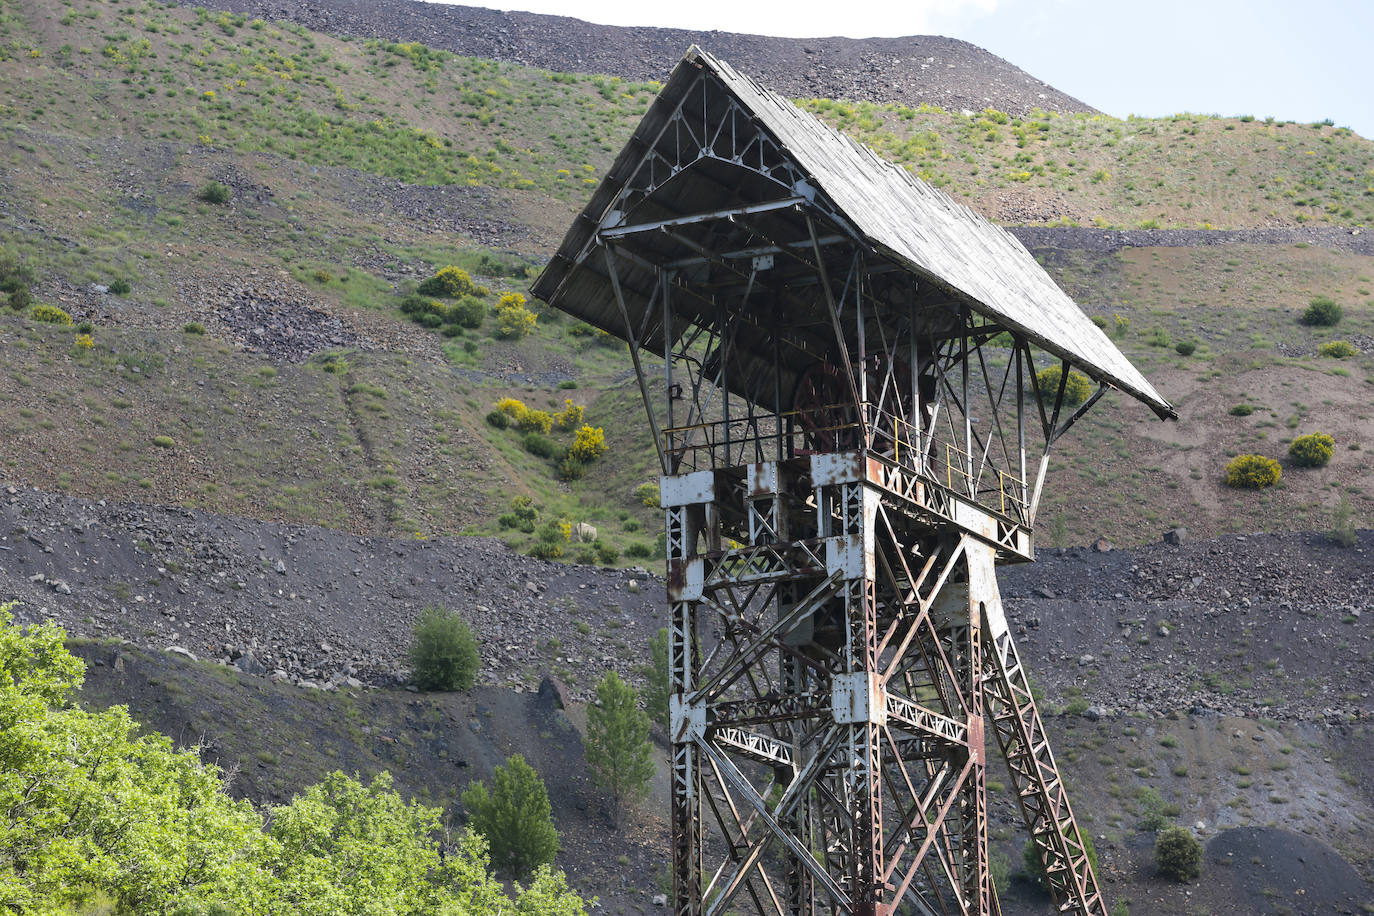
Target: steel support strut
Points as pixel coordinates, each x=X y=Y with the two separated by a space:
x=834 y=661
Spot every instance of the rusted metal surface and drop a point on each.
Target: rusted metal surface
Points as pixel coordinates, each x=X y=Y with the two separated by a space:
x=854 y=435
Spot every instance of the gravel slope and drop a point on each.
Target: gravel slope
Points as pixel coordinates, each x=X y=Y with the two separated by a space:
x=911 y=70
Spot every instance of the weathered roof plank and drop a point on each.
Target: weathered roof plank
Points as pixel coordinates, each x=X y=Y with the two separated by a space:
x=889 y=209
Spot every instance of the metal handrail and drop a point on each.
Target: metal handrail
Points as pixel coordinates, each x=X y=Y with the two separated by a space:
x=906 y=451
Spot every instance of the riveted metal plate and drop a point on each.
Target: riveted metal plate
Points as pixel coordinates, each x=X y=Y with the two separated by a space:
x=858 y=697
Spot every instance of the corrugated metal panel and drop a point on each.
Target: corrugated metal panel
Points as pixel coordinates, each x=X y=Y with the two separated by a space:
x=894 y=211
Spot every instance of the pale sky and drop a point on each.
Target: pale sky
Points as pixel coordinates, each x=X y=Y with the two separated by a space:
x=1300 y=60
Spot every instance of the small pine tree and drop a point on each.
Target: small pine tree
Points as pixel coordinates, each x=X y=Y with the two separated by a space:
x=1178 y=854
x=618 y=749
x=1343 y=524
x=514 y=816
x=443 y=653
x=656 y=681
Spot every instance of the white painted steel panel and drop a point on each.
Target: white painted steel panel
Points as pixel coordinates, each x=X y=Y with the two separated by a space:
x=687 y=489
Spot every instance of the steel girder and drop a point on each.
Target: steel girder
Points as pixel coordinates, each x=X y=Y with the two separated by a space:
x=832 y=675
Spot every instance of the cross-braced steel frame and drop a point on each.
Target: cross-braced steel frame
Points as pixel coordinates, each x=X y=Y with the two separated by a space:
x=849 y=449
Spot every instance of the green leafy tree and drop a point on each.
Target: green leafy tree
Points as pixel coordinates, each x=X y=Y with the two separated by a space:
x=656 y=679
x=443 y=652
x=618 y=748
x=98 y=816
x=341 y=836
x=514 y=816
x=93 y=808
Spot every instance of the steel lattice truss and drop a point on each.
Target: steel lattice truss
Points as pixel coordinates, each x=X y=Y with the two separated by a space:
x=850 y=443
x=830 y=697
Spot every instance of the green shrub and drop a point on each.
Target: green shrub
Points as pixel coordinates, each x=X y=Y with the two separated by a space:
x=1185 y=347
x=416 y=305
x=193 y=327
x=215 y=193
x=1076 y=390
x=541 y=550
x=85 y=327
x=514 y=816
x=523 y=515
x=19 y=298
x=1154 y=810
x=1158 y=337
x=452 y=282
x=50 y=314
x=498 y=419
x=1178 y=854
x=1252 y=472
x=429 y=320
x=606 y=554
x=1100 y=321
x=443 y=652
x=1313 y=450
x=513 y=320
x=647 y=494
x=14 y=273
x=468 y=312
x=639 y=550
x=120 y=287
x=164 y=442
x=1337 y=349
x=540 y=446
x=1322 y=312
x=569 y=468
x=1241 y=410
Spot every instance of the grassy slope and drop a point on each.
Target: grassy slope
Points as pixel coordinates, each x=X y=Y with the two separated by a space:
x=1193 y=171
x=107 y=133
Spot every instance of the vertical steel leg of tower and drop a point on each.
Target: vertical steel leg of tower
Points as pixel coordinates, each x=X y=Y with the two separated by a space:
x=1034 y=775
x=835 y=654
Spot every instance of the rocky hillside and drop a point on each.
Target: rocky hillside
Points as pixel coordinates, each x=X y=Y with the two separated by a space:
x=252 y=471
x=1222 y=684
x=914 y=70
